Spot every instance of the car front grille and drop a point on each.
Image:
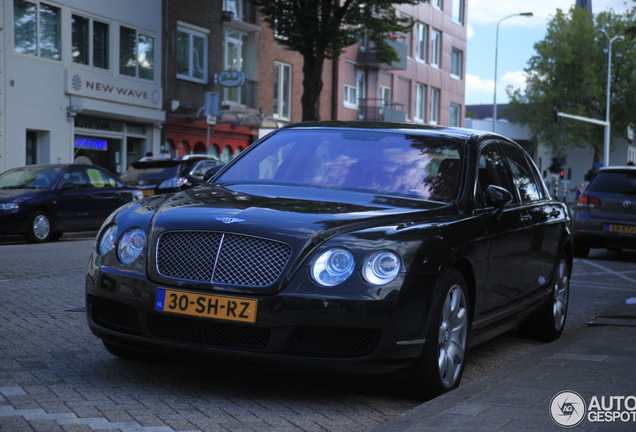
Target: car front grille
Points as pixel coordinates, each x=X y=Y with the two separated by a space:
x=233 y=259
x=207 y=332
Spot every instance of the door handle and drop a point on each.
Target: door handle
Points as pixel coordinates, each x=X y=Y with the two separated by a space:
x=526 y=218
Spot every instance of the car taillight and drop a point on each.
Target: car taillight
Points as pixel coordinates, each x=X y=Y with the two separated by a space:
x=589 y=201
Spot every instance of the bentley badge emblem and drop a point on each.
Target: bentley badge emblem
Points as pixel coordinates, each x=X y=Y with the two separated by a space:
x=627 y=204
x=229 y=220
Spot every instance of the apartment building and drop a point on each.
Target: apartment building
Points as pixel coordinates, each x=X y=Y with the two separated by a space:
x=427 y=86
x=80 y=81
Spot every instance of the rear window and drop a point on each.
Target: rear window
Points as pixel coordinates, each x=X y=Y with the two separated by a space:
x=145 y=171
x=621 y=182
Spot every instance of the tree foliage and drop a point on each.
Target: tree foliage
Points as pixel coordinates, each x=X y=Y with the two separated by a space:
x=569 y=73
x=322 y=29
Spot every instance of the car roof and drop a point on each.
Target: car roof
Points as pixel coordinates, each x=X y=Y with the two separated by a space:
x=412 y=129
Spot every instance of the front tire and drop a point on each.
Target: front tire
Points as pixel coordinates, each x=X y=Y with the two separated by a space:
x=441 y=364
x=40 y=228
x=548 y=325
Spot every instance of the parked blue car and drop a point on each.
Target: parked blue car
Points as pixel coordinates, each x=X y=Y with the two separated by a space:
x=42 y=202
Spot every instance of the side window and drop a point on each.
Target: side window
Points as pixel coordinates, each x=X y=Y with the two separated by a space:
x=77 y=177
x=491 y=171
x=524 y=178
x=99 y=179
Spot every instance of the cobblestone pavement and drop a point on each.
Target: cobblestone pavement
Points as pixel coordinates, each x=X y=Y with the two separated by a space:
x=56 y=376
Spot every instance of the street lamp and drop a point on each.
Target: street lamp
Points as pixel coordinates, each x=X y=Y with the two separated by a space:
x=494 y=103
x=606 y=144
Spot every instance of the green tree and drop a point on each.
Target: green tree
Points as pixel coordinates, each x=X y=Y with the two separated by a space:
x=322 y=29
x=569 y=73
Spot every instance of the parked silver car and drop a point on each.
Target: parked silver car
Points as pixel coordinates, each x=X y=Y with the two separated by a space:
x=605 y=214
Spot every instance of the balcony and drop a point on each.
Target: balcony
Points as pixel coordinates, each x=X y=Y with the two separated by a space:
x=381 y=110
x=369 y=58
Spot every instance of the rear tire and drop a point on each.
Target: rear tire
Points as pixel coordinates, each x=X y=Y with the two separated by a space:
x=441 y=364
x=549 y=323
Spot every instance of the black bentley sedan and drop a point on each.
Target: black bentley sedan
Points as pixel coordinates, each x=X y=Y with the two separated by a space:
x=340 y=247
x=42 y=202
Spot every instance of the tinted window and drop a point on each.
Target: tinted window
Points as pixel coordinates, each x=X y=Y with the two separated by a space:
x=491 y=171
x=525 y=181
x=623 y=182
x=377 y=162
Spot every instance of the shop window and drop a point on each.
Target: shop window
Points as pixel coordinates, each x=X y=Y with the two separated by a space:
x=37 y=29
x=136 y=54
x=90 y=42
x=282 y=90
x=192 y=54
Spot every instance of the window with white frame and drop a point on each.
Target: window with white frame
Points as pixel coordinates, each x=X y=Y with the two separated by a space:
x=89 y=42
x=242 y=10
x=37 y=29
x=458 y=11
x=350 y=97
x=282 y=90
x=136 y=54
x=437 y=4
x=385 y=94
x=434 y=106
x=436 y=48
x=421 y=49
x=457 y=59
x=454 y=115
x=192 y=54
x=420 y=103
x=235 y=54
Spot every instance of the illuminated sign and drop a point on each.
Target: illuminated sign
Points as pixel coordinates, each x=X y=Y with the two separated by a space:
x=91 y=144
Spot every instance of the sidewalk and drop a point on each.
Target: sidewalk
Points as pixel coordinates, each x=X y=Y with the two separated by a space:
x=597 y=362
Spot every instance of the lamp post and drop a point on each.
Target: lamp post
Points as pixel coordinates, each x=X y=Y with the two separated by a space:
x=494 y=103
x=606 y=144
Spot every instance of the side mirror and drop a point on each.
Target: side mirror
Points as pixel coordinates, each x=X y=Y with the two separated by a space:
x=500 y=197
x=67 y=185
x=210 y=173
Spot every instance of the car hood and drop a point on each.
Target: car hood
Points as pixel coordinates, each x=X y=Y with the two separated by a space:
x=285 y=212
x=8 y=194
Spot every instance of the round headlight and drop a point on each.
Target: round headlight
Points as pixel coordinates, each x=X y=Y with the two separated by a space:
x=131 y=245
x=107 y=239
x=381 y=267
x=333 y=267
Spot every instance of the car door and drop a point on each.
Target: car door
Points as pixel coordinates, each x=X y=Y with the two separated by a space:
x=547 y=218
x=72 y=204
x=106 y=194
x=506 y=274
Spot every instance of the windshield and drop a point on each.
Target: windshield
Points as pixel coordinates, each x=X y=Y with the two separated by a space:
x=30 y=178
x=372 y=161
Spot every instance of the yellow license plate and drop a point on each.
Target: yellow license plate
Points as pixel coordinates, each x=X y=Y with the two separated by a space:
x=624 y=229
x=205 y=305
x=148 y=192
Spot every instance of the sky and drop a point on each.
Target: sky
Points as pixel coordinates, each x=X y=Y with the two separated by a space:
x=517 y=36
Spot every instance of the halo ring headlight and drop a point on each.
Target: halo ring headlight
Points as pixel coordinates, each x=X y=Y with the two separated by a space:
x=107 y=239
x=381 y=267
x=131 y=245
x=333 y=267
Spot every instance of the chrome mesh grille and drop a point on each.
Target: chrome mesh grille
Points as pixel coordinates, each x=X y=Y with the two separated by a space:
x=222 y=258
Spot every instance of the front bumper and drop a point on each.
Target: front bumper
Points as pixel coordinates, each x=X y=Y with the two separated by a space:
x=345 y=333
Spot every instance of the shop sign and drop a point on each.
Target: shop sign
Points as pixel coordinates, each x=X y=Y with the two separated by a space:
x=121 y=90
x=91 y=144
x=231 y=78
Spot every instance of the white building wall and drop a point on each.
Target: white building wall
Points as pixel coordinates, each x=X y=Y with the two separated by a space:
x=37 y=93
